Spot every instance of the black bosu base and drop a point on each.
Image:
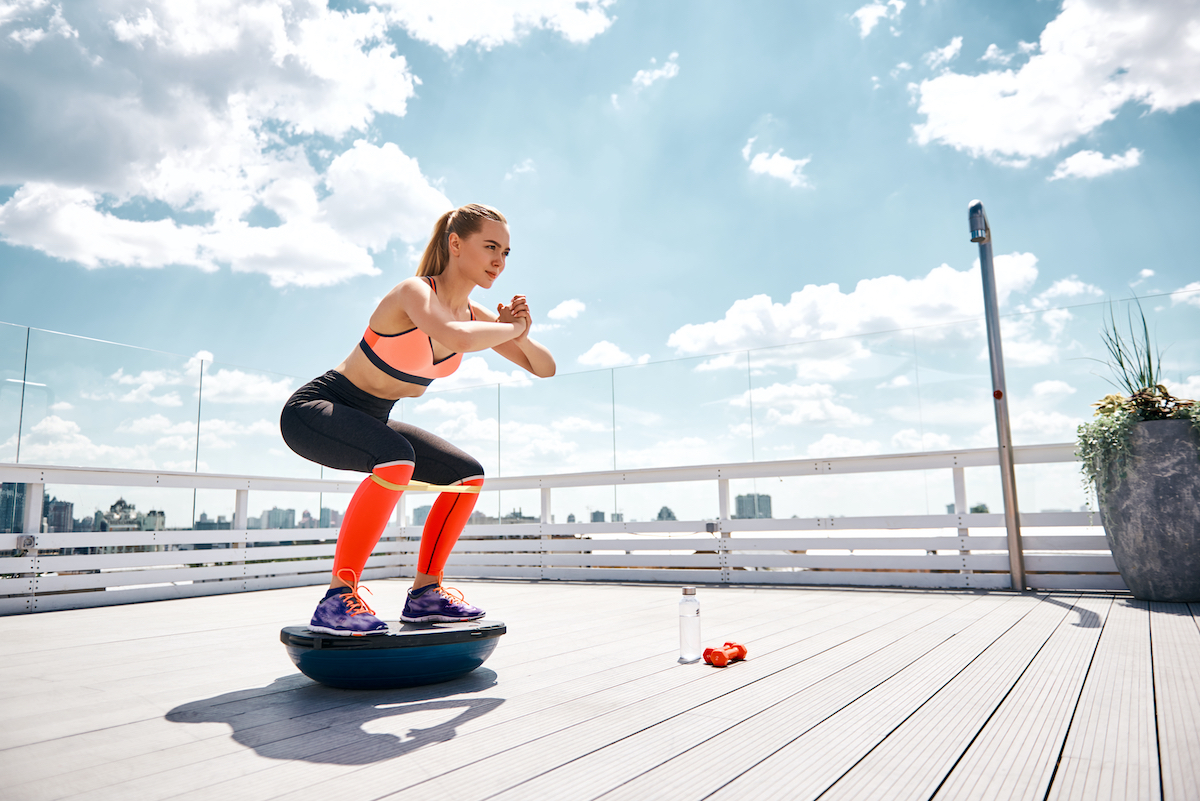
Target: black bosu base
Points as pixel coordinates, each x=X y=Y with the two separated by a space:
x=407 y=656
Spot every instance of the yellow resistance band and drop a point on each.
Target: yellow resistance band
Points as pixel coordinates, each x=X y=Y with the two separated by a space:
x=421 y=486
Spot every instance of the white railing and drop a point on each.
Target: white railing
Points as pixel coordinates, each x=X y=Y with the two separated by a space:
x=72 y=570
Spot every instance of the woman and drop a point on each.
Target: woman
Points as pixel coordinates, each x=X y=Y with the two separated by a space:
x=416 y=334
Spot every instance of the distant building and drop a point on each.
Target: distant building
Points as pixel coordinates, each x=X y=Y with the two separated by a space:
x=279 y=518
x=570 y=518
x=12 y=507
x=518 y=516
x=206 y=523
x=753 y=506
x=419 y=515
x=618 y=517
x=124 y=516
x=665 y=513
x=597 y=517
x=330 y=518
x=58 y=515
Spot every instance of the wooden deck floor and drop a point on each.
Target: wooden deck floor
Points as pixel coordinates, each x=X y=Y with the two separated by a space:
x=847 y=694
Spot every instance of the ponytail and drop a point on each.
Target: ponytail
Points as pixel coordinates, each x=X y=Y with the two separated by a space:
x=463 y=221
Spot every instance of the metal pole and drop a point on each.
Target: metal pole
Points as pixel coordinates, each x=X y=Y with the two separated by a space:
x=982 y=233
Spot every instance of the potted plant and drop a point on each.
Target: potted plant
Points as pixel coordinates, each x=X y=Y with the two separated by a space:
x=1142 y=455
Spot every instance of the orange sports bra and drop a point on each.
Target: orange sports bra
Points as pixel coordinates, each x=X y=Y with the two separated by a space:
x=408 y=355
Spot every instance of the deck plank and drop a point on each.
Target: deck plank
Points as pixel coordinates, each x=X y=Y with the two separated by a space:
x=692 y=754
x=945 y=725
x=1175 y=641
x=536 y=737
x=1111 y=750
x=1014 y=755
x=856 y=692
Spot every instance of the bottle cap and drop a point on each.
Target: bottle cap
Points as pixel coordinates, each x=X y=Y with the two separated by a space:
x=689 y=590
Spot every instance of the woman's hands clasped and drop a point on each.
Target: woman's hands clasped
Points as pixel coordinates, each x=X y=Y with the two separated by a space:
x=517 y=313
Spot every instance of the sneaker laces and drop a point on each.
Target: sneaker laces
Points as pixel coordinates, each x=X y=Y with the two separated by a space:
x=452 y=593
x=354 y=602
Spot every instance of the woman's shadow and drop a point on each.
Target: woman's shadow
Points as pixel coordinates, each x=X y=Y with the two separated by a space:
x=296 y=718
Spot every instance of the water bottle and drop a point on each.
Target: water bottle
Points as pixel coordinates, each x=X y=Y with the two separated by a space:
x=689 y=627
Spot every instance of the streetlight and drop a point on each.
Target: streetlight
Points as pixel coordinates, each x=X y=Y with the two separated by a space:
x=982 y=233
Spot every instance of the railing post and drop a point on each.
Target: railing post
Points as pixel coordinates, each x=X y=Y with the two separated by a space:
x=545 y=505
x=960 y=506
x=34 y=494
x=723 y=498
x=241 y=509
x=981 y=233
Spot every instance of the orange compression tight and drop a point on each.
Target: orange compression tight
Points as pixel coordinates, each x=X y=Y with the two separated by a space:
x=367 y=515
x=442 y=527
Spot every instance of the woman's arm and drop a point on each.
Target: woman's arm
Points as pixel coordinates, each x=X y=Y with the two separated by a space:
x=417 y=301
x=522 y=351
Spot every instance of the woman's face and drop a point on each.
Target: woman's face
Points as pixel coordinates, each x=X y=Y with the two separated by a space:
x=483 y=253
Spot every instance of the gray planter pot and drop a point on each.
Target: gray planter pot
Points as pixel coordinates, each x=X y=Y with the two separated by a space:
x=1152 y=515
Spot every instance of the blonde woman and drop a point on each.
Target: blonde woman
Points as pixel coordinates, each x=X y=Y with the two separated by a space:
x=417 y=334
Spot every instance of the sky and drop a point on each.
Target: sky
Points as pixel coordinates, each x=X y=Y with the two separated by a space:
x=694 y=191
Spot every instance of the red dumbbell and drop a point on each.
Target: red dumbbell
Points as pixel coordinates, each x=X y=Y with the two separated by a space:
x=720 y=657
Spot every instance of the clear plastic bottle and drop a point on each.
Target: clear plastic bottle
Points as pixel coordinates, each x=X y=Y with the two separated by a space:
x=689 y=626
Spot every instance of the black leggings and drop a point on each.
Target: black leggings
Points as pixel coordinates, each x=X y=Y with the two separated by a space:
x=332 y=422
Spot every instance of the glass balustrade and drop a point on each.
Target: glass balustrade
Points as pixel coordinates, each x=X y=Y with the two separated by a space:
x=67 y=400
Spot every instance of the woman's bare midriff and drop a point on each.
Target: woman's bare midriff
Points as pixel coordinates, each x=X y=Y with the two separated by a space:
x=369 y=378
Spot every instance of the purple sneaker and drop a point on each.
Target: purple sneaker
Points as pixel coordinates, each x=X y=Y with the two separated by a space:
x=344 y=613
x=434 y=604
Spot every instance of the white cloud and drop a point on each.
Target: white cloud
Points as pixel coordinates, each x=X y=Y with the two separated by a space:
x=209 y=109
x=61 y=406
x=1095 y=57
x=875 y=304
x=11 y=10
x=798 y=404
x=1189 y=294
x=523 y=167
x=832 y=445
x=1053 y=388
x=909 y=439
x=450 y=24
x=871 y=14
x=1146 y=273
x=645 y=78
x=1045 y=426
x=1065 y=288
x=995 y=55
x=944 y=55
x=1189 y=389
x=379 y=193
x=567 y=310
x=1092 y=164
x=237 y=386
x=898 y=382
x=777 y=165
x=53 y=440
x=474 y=371
x=606 y=354
x=903 y=66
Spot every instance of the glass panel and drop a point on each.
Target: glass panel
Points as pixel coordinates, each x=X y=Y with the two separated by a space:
x=693 y=500
x=239 y=424
x=840 y=397
x=557 y=425
x=12 y=378
x=684 y=412
x=581 y=503
x=1056 y=364
x=99 y=508
x=467 y=418
x=90 y=403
